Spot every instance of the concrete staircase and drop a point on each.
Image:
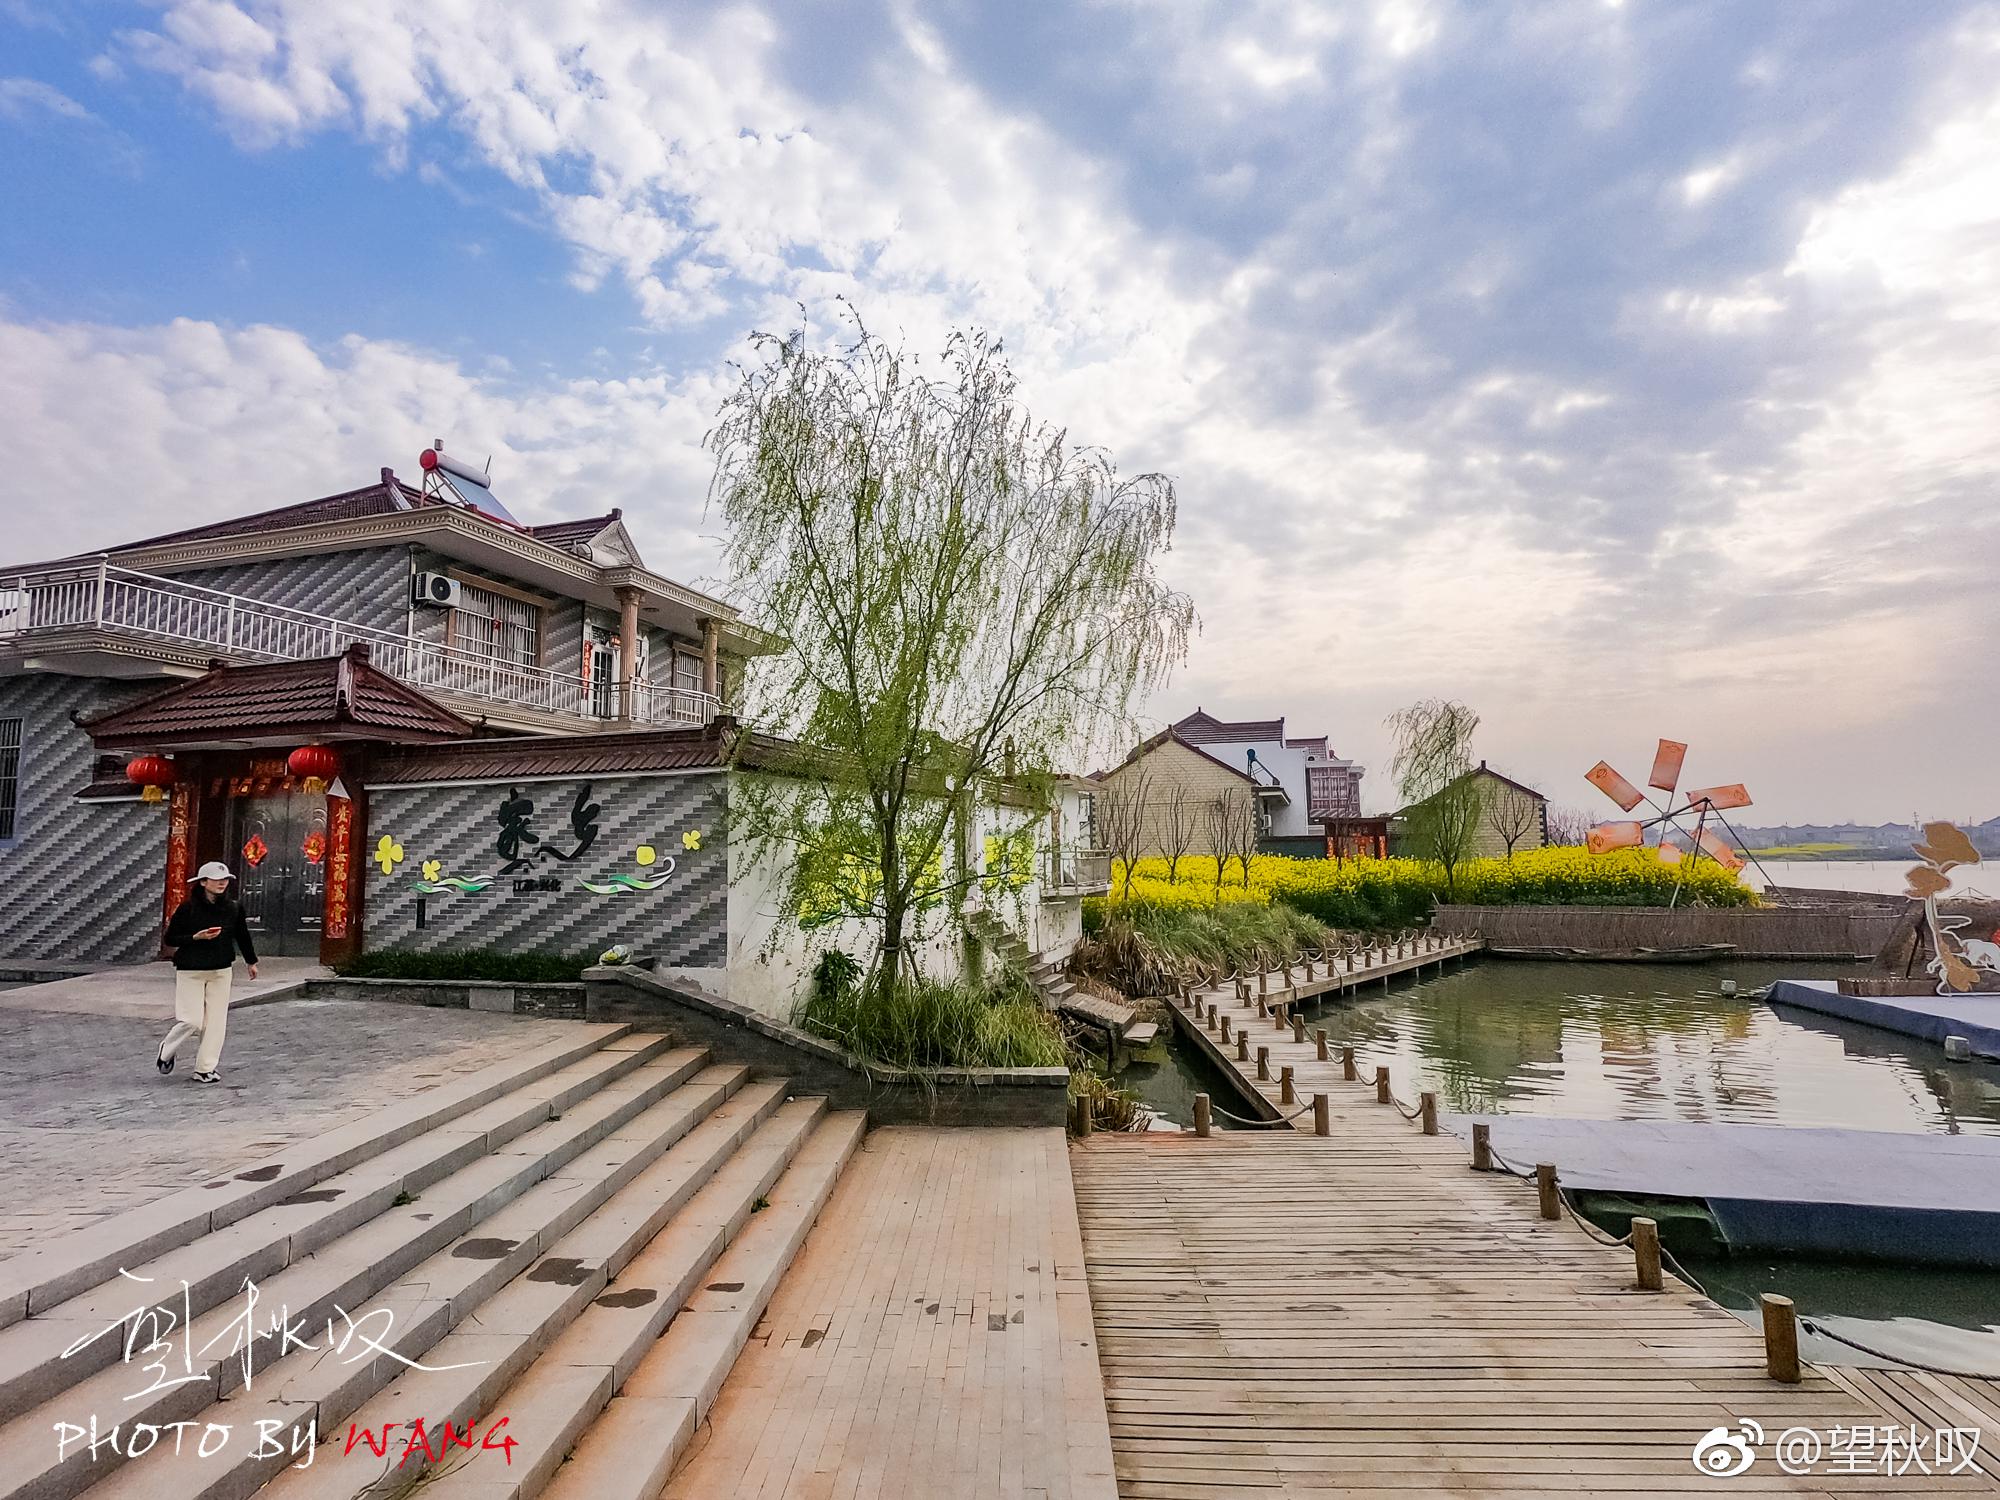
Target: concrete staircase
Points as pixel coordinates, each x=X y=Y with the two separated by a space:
x=565 y=1252
x=1050 y=980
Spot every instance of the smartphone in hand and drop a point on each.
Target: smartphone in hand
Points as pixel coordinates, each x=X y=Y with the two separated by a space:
x=208 y=932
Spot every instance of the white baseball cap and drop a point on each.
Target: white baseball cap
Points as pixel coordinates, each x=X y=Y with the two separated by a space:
x=215 y=869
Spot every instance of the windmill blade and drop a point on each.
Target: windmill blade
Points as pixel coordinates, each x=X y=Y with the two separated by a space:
x=1720 y=850
x=1669 y=852
x=1667 y=765
x=1614 y=786
x=1719 y=797
x=1608 y=836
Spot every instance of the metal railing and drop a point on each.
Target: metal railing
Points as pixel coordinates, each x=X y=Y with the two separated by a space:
x=124 y=602
x=1084 y=871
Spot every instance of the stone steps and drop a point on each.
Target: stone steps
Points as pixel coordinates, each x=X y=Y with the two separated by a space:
x=630 y=1451
x=551 y=1174
x=564 y=1290
x=37 y=1280
x=193 y=1278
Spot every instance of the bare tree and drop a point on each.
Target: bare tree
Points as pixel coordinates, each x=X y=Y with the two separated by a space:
x=1179 y=823
x=1444 y=798
x=1567 y=825
x=1231 y=821
x=1516 y=818
x=1119 y=814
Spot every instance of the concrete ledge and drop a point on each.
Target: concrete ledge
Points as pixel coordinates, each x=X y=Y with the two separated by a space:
x=1929 y=1018
x=560 y=1002
x=1838 y=934
x=734 y=1033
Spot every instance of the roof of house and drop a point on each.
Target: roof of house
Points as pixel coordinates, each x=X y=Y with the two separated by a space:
x=1482 y=769
x=330 y=697
x=1200 y=728
x=1146 y=747
x=388 y=494
x=693 y=749
x=563 y=532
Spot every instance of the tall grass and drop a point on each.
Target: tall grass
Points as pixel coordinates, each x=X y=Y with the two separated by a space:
x=1142 y=948
x=924 y=1024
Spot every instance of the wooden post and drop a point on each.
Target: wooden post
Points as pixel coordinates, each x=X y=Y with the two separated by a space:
x=1545 y=1187
x=1646 y=1253
x=1225 y=1028
x=1211 y=1020
x=1083 y=1121
x=1482 y=1147
x=1319 y=1043
x=1382 y=1095
x=1201 y=1115
x=1347 y=1068
x=1287 y=1093
x=1781 y=1338
x=1264 y=1062
x=1298 y=1027
x=1277 y=1018
x=1322 y=1116
x=1263 y=1009
x=1427 y=1111
x=1243 y=1046
x=1263 y=983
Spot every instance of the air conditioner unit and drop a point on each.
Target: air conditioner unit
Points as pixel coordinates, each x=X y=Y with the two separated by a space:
x=435 y=591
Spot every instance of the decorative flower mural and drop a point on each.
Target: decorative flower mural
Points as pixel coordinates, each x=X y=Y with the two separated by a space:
x=388 y=854
x=691 y=840
x=433 y=868
x=646 y=854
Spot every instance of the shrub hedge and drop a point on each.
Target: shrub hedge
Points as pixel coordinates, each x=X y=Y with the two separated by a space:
x=478 y=964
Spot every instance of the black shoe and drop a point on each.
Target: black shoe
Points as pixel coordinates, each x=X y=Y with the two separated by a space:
x=164 y=1063
x=205 y=1077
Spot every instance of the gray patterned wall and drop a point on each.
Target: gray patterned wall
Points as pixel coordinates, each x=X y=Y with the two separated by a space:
x=369 y=586
x=683 y=923
x=80 y=880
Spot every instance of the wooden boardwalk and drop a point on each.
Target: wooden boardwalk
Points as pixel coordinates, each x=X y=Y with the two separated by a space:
x=1280 y=1314
x=1375 y=963
x=933 y=1339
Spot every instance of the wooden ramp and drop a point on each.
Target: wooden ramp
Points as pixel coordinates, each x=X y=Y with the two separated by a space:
x=933 y=1339
x=1280 y=1314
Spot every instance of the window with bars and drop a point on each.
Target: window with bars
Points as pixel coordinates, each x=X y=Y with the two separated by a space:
x=10 y=775
x=486 y=623
x=687 y=672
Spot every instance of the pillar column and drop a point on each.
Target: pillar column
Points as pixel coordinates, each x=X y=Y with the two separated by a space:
x=711 y=671
x=628 y=653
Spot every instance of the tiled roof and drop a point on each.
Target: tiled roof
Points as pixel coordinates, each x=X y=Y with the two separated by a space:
x=561 y=532
x=1146 y=747
x=552 y=755
x=1199 y=728
x=371 y=500
x=334 y=696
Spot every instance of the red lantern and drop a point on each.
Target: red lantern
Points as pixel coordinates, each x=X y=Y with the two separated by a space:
x=153 y=773
x=315 y=764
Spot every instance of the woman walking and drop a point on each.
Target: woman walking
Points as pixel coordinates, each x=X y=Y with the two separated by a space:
x=203 y=939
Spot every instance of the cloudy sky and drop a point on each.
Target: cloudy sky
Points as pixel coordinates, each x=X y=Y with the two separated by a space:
x=1622 y=369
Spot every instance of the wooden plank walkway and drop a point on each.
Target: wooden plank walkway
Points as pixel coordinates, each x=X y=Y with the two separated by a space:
x=933 y=1338
x=1374 y=963
x=1282 y=1314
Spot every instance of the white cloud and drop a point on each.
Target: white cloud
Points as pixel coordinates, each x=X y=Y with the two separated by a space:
x=22 y=98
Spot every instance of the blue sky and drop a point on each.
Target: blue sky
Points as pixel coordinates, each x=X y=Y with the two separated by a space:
x=1624 y=369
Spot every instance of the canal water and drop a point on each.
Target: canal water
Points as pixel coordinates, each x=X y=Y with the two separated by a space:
x=1662 y=1042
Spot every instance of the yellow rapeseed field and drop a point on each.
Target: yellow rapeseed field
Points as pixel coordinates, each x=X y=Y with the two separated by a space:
x=1360 y=891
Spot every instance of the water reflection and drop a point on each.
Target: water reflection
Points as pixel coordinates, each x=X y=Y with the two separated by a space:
x=1644 y=1042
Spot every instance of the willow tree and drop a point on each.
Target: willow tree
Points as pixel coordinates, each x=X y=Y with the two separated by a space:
x=969 y=601
x=1444 y=800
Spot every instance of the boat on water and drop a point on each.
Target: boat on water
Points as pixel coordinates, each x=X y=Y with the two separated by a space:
x=1693 y=953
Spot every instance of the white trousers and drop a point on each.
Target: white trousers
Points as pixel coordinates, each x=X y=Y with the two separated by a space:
x=201 y=1004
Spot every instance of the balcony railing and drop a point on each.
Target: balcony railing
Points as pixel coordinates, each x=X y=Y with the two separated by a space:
x=1076 y=872
x=122 y=602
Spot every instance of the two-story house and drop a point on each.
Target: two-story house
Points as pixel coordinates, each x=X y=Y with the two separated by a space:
x=406 y=720
x=365 y=624
x=1308 y=799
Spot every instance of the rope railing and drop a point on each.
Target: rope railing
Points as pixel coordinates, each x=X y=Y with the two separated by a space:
x=1895 y=1359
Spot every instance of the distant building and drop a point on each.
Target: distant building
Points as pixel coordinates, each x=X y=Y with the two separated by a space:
x=1308 y=799
x=1514 y=817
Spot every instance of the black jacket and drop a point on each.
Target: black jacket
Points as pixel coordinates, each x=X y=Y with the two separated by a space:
x=200 y=911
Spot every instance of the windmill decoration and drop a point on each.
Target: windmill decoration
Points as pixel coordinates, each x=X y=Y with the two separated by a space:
x=1703 y=806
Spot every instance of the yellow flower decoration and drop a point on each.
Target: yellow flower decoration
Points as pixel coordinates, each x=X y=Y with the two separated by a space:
x=388 y=853
x=432 y=869
x=691 y=839
x=646 y=854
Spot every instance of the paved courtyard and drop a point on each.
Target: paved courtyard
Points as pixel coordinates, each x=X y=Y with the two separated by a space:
x=88 y=1127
